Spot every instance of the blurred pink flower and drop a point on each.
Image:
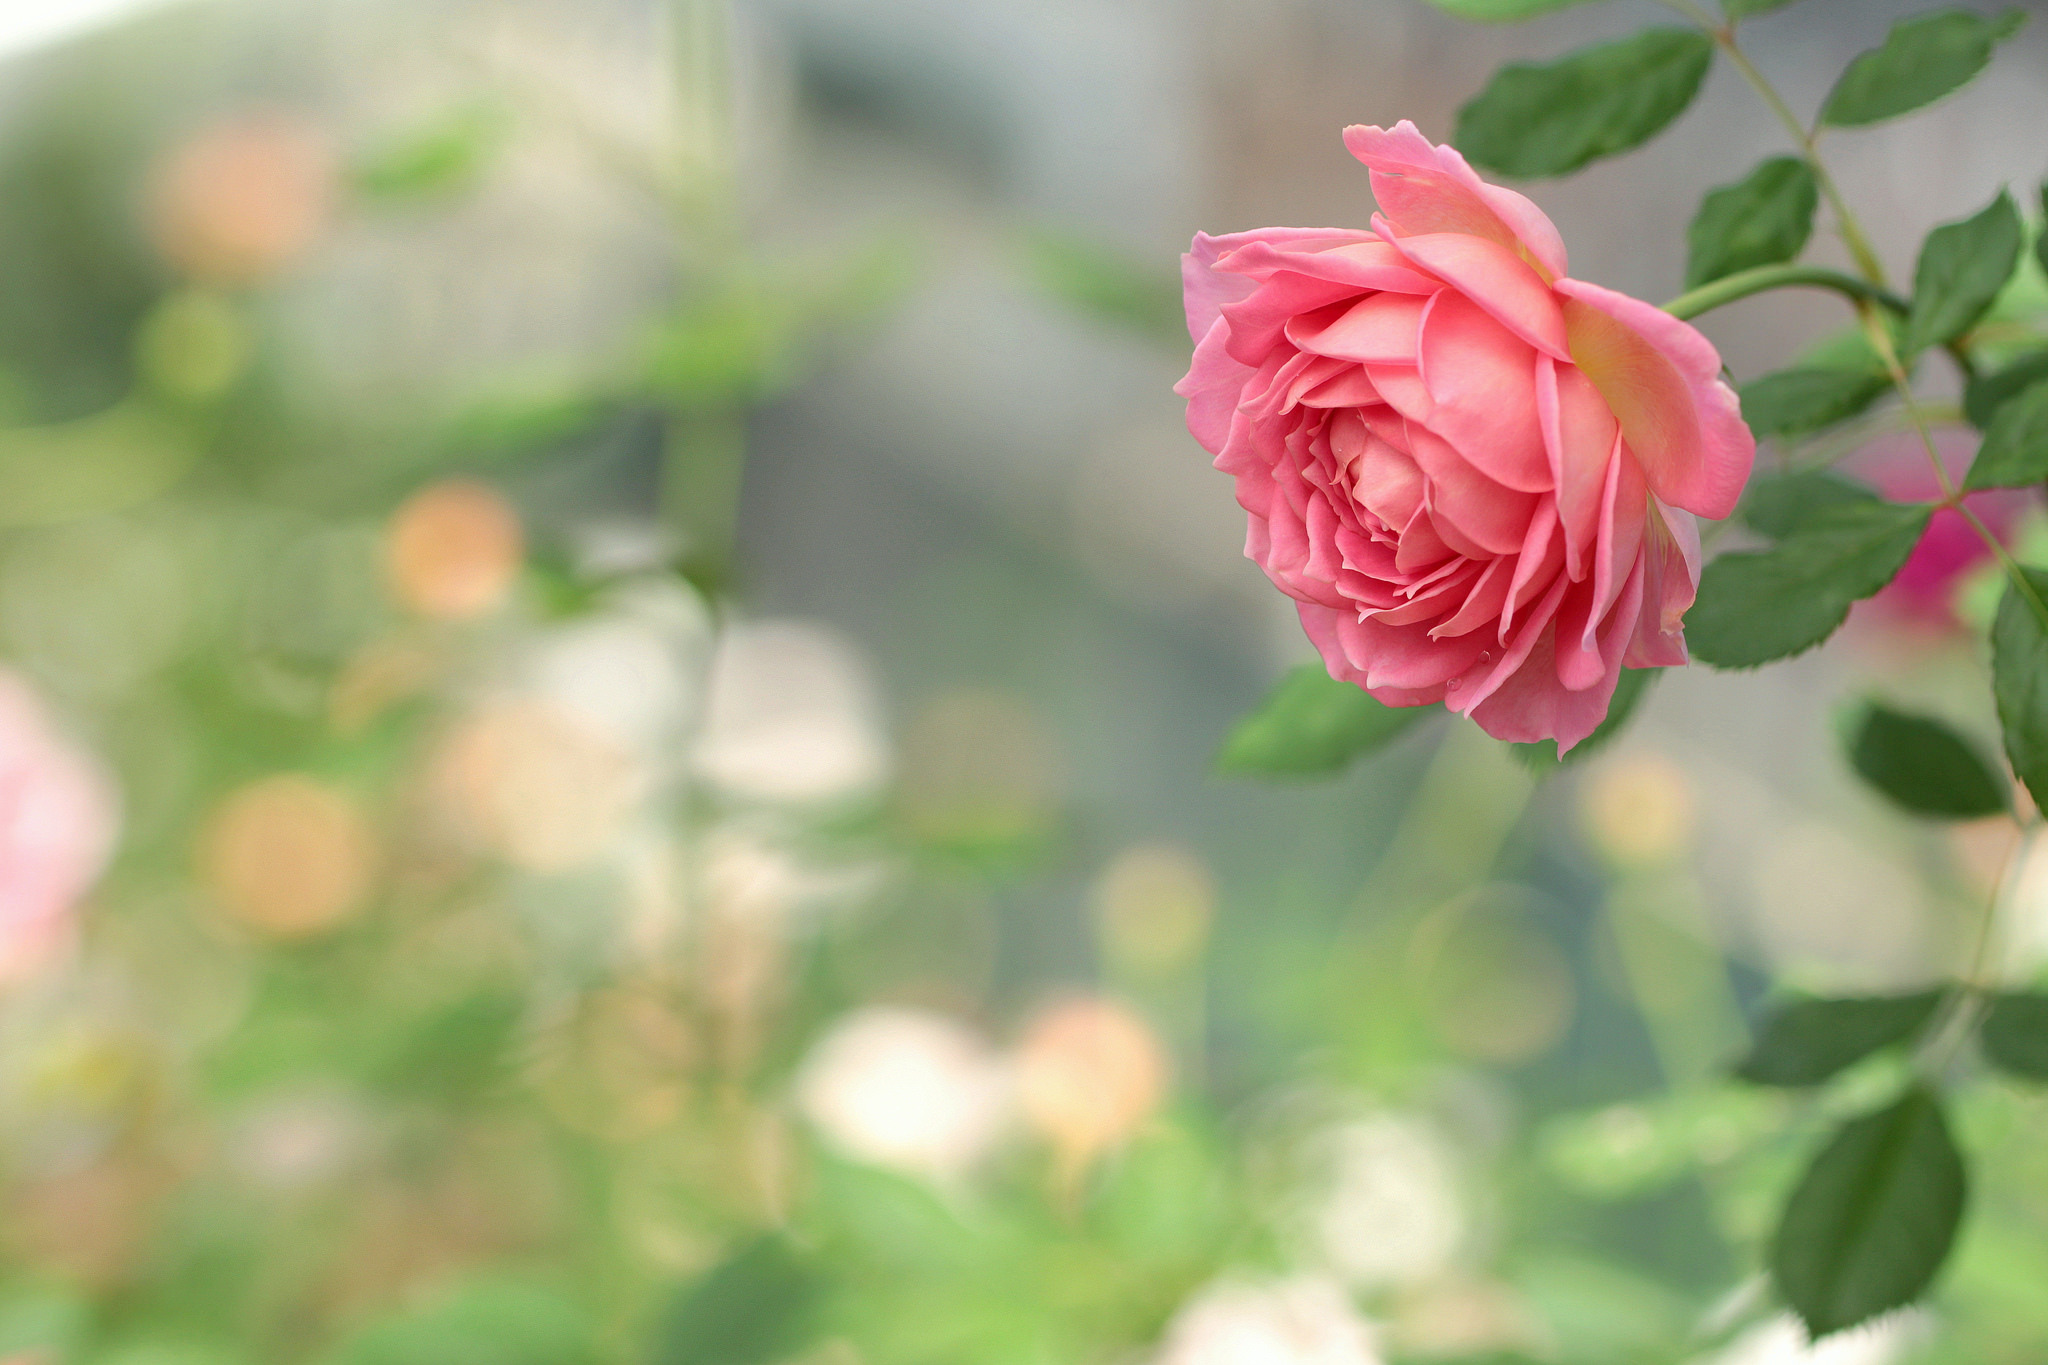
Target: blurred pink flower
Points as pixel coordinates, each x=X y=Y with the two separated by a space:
x=1475 y=475
x=57 y=822
x=1897 y=466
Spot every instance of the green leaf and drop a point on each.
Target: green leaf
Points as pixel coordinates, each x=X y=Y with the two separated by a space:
x=1743 y=9
x=1779 y=505
x=1762 y=219
x=1541 y=757
x=2015 y=1035
x=1309 y=725
x=1987 y=393
x=1763 y=605
x=1805 y=1042
x=1543 y=120
x=2015 y=449
x=1925 y=766
x=1806 y=398
x=1961 y=269
x=757 y=1307
x=1873 y=1218
x=2019 y=682
x=1501 y=11
x=1923 y=58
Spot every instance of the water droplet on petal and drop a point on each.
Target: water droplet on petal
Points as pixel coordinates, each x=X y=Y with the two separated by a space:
x=1451 y=686
x=1486 y=656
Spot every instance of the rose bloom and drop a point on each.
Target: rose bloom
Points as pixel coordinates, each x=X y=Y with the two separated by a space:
x=56 y=828
x=1923 y=593
x=1475 y=475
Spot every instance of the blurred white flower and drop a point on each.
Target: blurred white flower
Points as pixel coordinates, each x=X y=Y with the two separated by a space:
x=626 y=671
x=1382 y=1206
x=1782 y=1341
x=791 y=716
x=905 y=1088
x=57 y=823
x=1307 y=1320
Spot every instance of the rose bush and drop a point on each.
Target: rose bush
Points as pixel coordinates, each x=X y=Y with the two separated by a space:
x=1475 y=475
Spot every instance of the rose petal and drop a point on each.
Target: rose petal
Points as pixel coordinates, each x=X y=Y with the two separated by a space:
x=1422 y=187
x=1496 y=279
x=1364 y=262
x=1662 y=379
x=1579 y=433
x=1482 y=388
x=1205 y=288
x=1381 y=329
x=1495 y=518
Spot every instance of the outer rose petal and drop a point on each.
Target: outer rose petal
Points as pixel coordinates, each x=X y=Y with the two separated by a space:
x=1663 y=380
x=1422 y=187
x=1205 y=289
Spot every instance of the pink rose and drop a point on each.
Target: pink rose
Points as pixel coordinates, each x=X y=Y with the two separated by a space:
x=1474 y=474
x=1924 y=590
x=56 y=829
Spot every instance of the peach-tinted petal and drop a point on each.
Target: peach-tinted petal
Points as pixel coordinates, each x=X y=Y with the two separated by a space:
x=1671 y=575
x=1662 y=379
x=1496 y=279
x=1482 y=604
x=1623 y=507
x=1470 y=692
x=1578 y=439
x=1482 y=388
x=1425 y=188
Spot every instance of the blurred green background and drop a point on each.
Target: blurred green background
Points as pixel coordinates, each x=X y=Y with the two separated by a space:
x=627 y=584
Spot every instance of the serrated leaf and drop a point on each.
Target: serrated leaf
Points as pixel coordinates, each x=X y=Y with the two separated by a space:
x=1806 y=398
x=1501 y=11
x=1987 y=393
x=1762 y=219
x=1922 y=59
x=2014 y=1036
x=1962 y=267
x=1763 y=605
x=2014 y=451
x=759 y=1306
x=2019 y=682
x=1309 y=725
x=1549 y=119
x=1805 y=1042
x=1778 y=505
x=1541 y=757
x=1873 y=1218
x=1924 y=766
